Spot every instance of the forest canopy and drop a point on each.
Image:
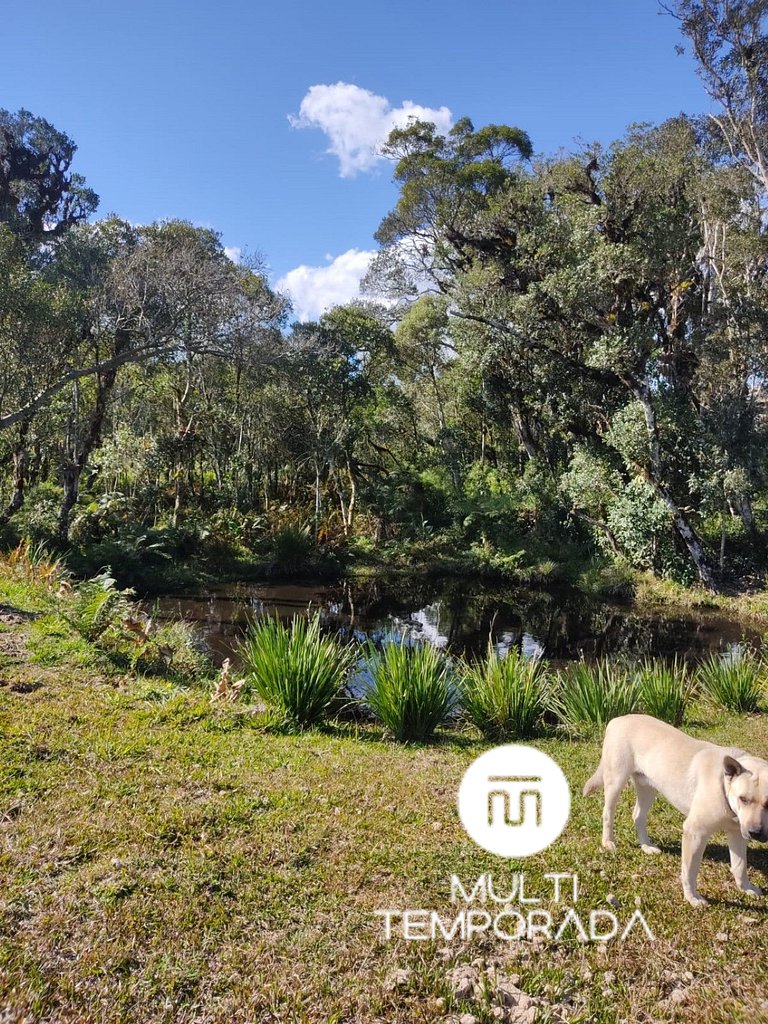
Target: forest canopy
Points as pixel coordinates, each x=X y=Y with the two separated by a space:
x=558 y=367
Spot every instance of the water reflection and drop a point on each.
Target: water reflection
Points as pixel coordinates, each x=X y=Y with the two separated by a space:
x=461 y=617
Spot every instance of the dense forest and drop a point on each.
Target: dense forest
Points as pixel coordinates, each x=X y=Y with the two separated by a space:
x=558 y=370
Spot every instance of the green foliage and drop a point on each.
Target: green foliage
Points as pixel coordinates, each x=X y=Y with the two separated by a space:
x=734 y=682
x=39 y=517
x=612 y=581
x=506 y=698
x=588 y=696
x=639 y=521
x=411 y=690
x=665 y=690
x=99 y=604
x=292 y=549
x=297 y=671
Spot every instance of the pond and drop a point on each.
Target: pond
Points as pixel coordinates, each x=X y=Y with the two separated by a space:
x=460 y=616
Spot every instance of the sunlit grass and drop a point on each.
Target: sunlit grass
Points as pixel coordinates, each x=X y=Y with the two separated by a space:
x=735 y=682
x=665 y=689
x=589 y=695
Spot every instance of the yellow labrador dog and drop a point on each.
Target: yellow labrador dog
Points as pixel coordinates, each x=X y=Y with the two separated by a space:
x=718 y=789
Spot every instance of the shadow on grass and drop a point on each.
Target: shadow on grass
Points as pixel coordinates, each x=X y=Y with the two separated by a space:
x=11 y=609
x=757 y=862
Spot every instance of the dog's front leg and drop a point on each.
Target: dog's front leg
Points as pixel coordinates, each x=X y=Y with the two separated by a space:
x=737 y=845
x=694 y=843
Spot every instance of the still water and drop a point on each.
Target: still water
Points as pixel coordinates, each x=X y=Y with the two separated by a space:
x=460 y=616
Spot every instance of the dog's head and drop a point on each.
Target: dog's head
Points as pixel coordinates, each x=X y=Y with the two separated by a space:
x=746 y=790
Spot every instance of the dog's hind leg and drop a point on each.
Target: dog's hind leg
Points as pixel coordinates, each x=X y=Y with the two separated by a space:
x=613 y=783
x=645 y=794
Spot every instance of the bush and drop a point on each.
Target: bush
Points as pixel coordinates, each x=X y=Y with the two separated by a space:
x=411 y=689
x=99 y=604
x=292 y=549
x=174 y=649
x=665 y=690
x=506 y=698
x=734 y=683
x=589 y=696
x=296 y=671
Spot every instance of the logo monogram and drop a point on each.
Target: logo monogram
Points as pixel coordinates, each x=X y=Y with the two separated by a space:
x=507 y=795
x=514 y=800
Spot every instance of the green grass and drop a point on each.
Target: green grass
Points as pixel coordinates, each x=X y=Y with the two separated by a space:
x=165 y=859
x=296 y=670
x=171 y=861
x=734 y=683
x=411 y=689
x=506 y=698
x=588 y=696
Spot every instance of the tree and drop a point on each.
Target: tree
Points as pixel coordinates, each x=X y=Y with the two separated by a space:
x=40 y=196
x=730 y=45
x=589 y=296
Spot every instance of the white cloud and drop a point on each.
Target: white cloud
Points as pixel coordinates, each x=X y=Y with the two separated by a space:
x=313 y=290
x=233 y=252
x=358 y=121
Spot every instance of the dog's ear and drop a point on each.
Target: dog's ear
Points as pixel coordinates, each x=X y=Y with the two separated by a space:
x=732 y=767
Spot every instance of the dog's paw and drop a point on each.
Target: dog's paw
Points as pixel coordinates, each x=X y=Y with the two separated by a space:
x=650 y=849
x=752 y=890
x=696 y=901
x=608 y=844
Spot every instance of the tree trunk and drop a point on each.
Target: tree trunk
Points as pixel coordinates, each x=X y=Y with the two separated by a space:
x=19 y=473
x=73 y=470
x=685 y=531
x=70 y=479
x=523 y=431
x=747 y=516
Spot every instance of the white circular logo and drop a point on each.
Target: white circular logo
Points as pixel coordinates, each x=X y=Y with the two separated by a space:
x=514 y=800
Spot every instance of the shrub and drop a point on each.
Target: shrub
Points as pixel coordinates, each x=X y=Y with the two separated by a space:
x=733 y=682
x=173 y=649
x=665 y=690
x=410 y=689
x=295 y=670
x=590 y=695
x=98 y=605
x=506 y=698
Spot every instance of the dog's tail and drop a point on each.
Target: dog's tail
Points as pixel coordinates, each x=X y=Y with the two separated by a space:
x=595 y=782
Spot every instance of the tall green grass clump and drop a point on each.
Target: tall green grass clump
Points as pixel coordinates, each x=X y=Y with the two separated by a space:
x=506 y=698
x=665 y=690
x=590 y=695
x=734 y=683
x=295 y=670
x=410 y=689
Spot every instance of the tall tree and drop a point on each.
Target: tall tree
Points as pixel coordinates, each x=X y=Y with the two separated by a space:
x=40 y=196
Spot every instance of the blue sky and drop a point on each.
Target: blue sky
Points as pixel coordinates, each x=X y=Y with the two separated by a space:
x=181 y=108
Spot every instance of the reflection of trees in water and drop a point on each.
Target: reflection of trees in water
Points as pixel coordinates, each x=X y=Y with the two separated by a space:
x=461 y=616
x=566 y=624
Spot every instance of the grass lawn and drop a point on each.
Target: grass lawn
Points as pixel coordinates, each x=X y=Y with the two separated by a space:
x=165 y=859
